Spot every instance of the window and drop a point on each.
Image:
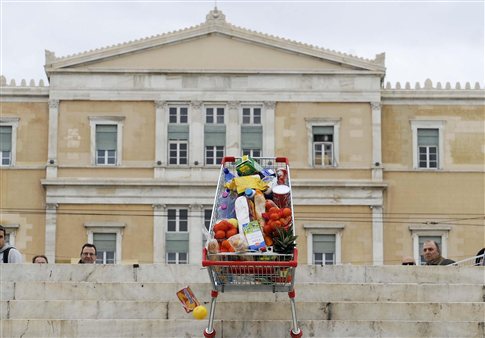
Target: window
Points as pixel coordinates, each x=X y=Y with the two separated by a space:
x=323 y=142
x=251 y=115
x=105 y=247
x=106 y=136
x=11 y=232
x=6 y=144
x=178 y=115
x=8 y=137
x=177 y=236
x=214 y=155
x=178 y=152
x=255 y=153
x=207 y=218
x=214 y=115
x=323 y=249
x=422 y=233
x=324 y=243
x=106 y=140
x=428 y=147
x=107 y=236
x=323 y=149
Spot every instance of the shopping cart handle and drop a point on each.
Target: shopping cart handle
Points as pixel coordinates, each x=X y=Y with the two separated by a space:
x=282 y=160
x=228 y=159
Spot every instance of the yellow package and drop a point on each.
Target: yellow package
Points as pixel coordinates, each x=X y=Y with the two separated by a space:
x=240 y=184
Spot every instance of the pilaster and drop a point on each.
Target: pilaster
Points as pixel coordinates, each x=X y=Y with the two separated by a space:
x=196 y=222
x=196 y=135
x=161 y=109
x=377 y=236
x=376 y=142
x=268 y=129
x=233 y=131
x=50 y=231
x=159 y=228
x=52 y=139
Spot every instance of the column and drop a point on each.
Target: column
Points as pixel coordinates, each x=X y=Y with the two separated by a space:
x=377 y=236
x=196 y=133
x=52 y=139
x=50 y=231
x=268 y=129
x=376 y=142
x=159 y=228
x=161 y=157
x=196 y=222
x=233 y=129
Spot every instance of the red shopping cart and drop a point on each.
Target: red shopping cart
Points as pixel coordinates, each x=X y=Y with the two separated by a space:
x=252 y=271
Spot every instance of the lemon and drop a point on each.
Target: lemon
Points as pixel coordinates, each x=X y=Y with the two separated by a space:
x=200 y=312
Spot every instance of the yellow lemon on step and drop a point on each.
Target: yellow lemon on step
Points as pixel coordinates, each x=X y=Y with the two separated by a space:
x=200 y=312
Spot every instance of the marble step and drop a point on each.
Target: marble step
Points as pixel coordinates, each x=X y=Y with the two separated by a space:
x=187 y=274
x=179 y=328
x=305 y=292
x=243 y=310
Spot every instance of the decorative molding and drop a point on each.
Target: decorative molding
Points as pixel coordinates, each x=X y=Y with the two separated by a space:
x=51 y=206
x=196 y=105
x=159 y=207
x=53 y=104
x=234 y=105
x=376 y=105
x=160 y=104
x=269 y=104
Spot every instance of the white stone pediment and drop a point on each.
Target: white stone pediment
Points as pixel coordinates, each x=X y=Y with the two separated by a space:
x=214 y=46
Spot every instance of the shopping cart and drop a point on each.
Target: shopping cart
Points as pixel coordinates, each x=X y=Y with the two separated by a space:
x=252 y=271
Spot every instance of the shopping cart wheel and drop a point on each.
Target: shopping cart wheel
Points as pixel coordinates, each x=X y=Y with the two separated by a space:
x=299 y=334
x=209 y=335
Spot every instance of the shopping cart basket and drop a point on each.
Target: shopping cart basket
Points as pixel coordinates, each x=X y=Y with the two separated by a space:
x=251 y=271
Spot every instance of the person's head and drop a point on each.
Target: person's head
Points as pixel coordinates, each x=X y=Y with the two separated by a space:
x=407 y=260
x=40 y=259
x=88 y=254
x=2 y=236
x=431 y=251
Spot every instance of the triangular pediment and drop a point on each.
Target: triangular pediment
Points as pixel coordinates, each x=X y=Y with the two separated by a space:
x=214 y=46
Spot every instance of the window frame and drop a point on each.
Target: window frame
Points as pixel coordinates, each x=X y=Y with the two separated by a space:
x=177 y=218
x=178 y=143
x=12 y=122
x=436 y=231
x=216 y=160
x=177 y=230
x=107 y=120
x=178 y=117
x=215 y=116
x=324 y=229
x=428 y=124
x=252 y=115
x=107 y=227
x=11 y=231
x=335 y=123
x=177 y=258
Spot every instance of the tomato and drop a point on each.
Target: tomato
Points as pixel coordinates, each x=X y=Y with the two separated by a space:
x=286 y=212
x=273 y=210
x=274 y=216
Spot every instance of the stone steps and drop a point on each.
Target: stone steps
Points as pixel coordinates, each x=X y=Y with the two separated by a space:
x=371 y=311
x=178 y=328
x=322 y=292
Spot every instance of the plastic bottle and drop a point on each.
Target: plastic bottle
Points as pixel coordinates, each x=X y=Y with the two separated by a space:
x=228 y=176
x=225 y=208
x=249 y=193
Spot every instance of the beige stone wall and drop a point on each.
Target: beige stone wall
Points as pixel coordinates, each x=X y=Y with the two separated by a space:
x=22 y=203
x=329 y=173
x=356 y=235
x=452 y=199
x=137 y=242
x=106 y=172
x=355 y=141
x=464 y=137
x=32 y=132
x=74 y=139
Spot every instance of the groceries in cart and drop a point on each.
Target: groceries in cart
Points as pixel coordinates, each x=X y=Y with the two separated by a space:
x=252 y=209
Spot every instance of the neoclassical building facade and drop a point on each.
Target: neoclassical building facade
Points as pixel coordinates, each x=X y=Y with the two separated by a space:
x=122 y=147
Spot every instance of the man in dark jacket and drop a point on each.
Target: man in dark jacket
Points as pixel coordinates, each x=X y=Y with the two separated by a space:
x=8 y=254
x=432 y=254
